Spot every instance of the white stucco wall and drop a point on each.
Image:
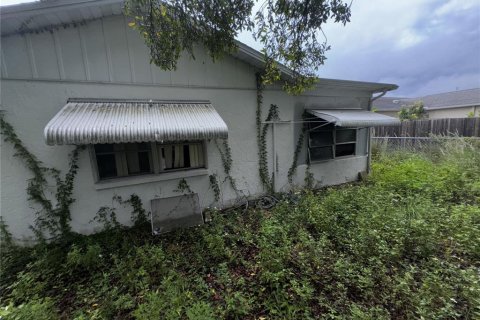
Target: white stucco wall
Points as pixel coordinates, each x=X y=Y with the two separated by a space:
x=461 y=112
x=104 y=59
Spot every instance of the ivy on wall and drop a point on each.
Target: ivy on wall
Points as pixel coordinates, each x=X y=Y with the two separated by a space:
x=107 y=216
x=183 y=187
x=52 y=218
x=309 y=179
x=227 y=161
x=262 y=129
x=298 y=148
x=214 y=186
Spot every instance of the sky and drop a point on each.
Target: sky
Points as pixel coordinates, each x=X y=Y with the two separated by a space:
x=424 y=46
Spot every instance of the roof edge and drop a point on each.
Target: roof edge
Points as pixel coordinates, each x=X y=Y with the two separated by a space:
x=129 y=100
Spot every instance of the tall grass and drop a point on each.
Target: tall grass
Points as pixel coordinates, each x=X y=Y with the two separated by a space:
x=405 y=244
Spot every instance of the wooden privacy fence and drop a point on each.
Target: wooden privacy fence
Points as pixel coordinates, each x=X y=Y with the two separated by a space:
x=465 y=127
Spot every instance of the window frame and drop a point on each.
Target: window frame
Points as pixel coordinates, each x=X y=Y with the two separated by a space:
x=156 y=170
x=332 y=145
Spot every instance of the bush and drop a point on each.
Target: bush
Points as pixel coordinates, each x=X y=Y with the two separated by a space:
x=404 y=245
x=42 y=309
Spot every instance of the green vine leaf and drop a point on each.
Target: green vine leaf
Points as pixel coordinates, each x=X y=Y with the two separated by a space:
x=52 y=218
x=290 y=32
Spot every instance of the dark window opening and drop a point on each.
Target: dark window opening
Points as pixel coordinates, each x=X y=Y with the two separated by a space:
x=107 y=167
x=329 y=142
x=343 y=150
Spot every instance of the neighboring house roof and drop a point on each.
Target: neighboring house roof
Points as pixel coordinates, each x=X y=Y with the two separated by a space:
x=453 y=99
x=389 y=103
x=444 y=100
x=52 y=14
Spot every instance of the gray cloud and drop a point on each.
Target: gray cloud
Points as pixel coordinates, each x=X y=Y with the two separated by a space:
x=440 y=51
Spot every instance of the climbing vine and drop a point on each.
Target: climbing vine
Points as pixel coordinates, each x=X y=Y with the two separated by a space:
x=183 y=187
x=214 y=185
x=309 y=179
x=272 y=115
x=139 y=214
x=107 y=216
x=6 y=239
x=226 y=156
x=52 y=218
x=298 y=148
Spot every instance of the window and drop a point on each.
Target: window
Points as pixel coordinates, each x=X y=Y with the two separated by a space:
x=130 y=159
x=329 y=142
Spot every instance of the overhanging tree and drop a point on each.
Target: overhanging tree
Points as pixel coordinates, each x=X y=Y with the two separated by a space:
x=289 y=31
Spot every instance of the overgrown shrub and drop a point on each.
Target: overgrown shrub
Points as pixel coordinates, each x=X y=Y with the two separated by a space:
x=402 y=245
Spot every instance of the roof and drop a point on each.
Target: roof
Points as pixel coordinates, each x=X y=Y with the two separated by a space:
x=91 y=121
x=42 y=15
x=444 y=100
x=354 y=118
x=390 y=103
x=453 y=99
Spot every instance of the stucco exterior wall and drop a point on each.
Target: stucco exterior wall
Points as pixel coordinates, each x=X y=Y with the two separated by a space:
x=104 y=59
x=456 y=112
x=462 y=112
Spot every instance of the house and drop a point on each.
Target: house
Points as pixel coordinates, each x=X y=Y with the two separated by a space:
x=74 y=73
x=454 y=104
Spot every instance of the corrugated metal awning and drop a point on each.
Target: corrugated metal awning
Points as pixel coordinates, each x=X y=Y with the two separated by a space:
x=87 y=121
x=354 y=118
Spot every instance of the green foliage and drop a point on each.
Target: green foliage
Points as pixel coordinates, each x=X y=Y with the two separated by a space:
x=309 y=179
x=139 y=214
x=290 y=32
x=226 y=156
x=88 y=259
x=414 y=111
x=401 y=245
x=265 y=178
x=6 y=240
x=170 y=27
x=107 y=216
x=42 y=309
x=215 y=187
x=51 y=218
x=298 y=148
x=471 y=114
x=183 y=187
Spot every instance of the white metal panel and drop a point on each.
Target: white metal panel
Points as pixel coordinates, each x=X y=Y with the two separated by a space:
x=139 y=58
x=117 y=49
x=16 y=57
x=43 y=48
x=95 y=50
x=354 y=118
x=175 y=212
x=71 y=51
x=83 y=121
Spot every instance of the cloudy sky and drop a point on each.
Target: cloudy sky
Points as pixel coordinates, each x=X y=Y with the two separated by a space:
x=424 y=46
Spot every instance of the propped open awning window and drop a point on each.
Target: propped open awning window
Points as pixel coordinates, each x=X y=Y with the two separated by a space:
x=97 y=121
x=354 y=118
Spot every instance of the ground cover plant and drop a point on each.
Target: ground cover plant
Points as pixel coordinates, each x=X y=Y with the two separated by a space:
x=404 y=244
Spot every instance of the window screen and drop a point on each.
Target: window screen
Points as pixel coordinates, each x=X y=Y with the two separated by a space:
x=330 y=142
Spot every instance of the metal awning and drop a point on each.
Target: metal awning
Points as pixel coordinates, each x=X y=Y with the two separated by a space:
x=354 y=118
x=88 y=121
